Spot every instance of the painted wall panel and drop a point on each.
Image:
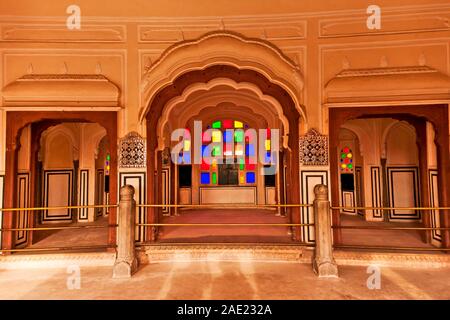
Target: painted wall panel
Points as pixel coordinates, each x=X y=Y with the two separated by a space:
x=58 y=187
x=137 y=180
x=309 y=179
x=403 y=186
x=436 y=235
x=23 y=189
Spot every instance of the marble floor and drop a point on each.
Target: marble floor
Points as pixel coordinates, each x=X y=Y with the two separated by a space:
x=236 y=234
x=220 y=280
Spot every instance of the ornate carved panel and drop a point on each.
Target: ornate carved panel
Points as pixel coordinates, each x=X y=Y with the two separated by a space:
x=314 y=149
x=132 y=151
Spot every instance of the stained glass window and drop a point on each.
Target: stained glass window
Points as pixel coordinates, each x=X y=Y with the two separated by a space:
x=346 y=160
x=235 y=145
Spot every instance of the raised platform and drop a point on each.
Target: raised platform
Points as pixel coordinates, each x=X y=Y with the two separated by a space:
x=182 y=252
x=222 y=252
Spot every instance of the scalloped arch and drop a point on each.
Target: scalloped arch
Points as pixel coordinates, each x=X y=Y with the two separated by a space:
x=222 y=48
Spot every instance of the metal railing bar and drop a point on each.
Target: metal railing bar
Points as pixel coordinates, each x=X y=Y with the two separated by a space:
x=61 y=228
x=58 y=248
x=218 y=205
x=155 y=244
x=390 y=208
x=224 y=224
x=389 y=248
x=389 y=228
x=59 y=208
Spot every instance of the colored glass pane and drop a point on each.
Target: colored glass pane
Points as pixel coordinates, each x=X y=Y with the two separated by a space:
x=250 y=177
x=239 y=150
x=239 y=136
x=187 y=145
x=241 y=177
x=187 y=158
x=267 y=145
x=349 y=155
x=206 y=137
x=350 y=166
x=216 y=136
x=204 y=166
x=238 y=125
x=241 y=164
x=204 y=178
x=217 y=125
x=343 y=166
x=249 y=150
x=268 y=133
x=203 y=151
x=343 y=155
x=108 y=157
x=214 y=178
x=248 y=165
x=227 y=124
x=228 y=136
x=214 y=164
x=346 y=150
x=216 y=151
x=267 y=157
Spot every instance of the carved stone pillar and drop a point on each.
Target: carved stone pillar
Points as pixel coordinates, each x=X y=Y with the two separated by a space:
x=126 y=263
x=323 y=261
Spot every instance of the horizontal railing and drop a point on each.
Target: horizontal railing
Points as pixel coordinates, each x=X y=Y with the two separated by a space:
x=398 y=228
x=49 y=228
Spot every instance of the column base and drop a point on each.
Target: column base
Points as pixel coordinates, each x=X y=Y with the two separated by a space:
x=124 y=269
x=325 y=269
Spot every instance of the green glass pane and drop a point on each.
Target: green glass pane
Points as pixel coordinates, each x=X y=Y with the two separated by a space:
x=350 y=166
x=214 y=178
x=343 y=155
x=108 y=157
x=216 y=125
x=241 y=164
x=239 y=136
x=216 y=151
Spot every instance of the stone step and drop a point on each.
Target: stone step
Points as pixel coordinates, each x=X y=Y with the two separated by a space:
x=392 y=259
x=56 y=260
x=221 y=252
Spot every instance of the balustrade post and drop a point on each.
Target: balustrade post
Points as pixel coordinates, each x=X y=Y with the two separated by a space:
x=126 y=262
x=323 y=262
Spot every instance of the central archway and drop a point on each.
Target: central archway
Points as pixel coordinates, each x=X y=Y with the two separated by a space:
x=221 y=59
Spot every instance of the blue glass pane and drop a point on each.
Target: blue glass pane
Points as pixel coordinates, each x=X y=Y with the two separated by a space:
x=204 y=178
x=267 y=157
x=249 y=150
x=203 y=151
x=227 y=136
x=250 y=177
x=187 y=158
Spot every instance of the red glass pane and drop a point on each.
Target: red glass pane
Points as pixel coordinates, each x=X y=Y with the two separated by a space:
x=204 y=166
x=227 y=124
x=268 y=133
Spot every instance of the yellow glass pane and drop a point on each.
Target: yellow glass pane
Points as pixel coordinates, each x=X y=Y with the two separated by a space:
x=241 y=177
x=238 y=124
x=216 y=136
x=187 y=145
x=214 y=164
x=267 y=145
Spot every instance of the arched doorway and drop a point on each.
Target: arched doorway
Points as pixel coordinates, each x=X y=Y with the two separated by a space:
x=225 y=86
x=38 y=125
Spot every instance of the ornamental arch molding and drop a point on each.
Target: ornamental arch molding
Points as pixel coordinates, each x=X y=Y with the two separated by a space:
x=222 y=48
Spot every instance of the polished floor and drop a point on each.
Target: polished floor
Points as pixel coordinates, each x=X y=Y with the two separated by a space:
x=226 y=234
x=223 y=280
x=234 y=234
